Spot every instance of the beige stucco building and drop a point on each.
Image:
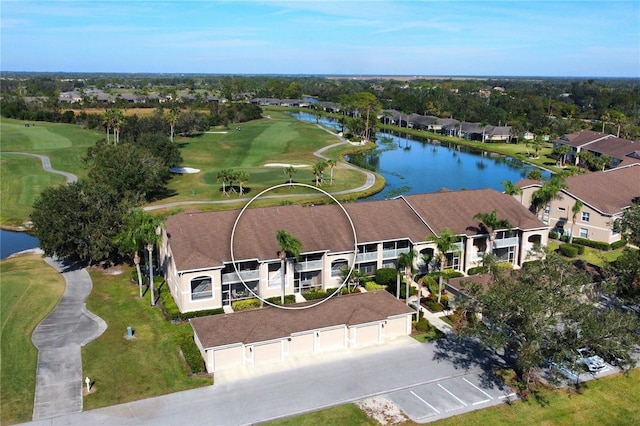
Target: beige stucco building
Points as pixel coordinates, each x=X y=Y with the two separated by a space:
x=604 y=196
x=211 y=259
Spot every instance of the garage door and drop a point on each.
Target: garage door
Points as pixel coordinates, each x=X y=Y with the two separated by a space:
x=264 y=354
x=367 y=336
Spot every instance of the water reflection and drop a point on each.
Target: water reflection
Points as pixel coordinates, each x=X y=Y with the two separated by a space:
x=413 y=165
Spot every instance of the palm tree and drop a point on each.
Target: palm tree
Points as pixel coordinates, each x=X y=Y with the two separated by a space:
x=577 y=206
x=108 y=121
x=242 y=177
x=174 y=113
x=491 y=222
x=331 y=163
x=547 y=193
x=512 y=189
x=289 y=172
x=406 y=260
x=223 y=177
x=118 y=119
x=605 y=117
x=288 y=245
x=445 y=243
x=561 y=151
x=318 y=170
x=141 y=231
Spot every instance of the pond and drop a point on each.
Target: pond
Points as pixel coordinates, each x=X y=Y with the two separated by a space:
x=417 y=165
x=15 y=242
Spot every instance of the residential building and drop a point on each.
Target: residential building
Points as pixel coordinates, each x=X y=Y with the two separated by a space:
x=604 y=196
x=211 y=259
x=622 y=152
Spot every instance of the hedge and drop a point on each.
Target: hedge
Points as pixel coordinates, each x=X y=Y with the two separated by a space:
x=173 y=313
x=478 y=270
x=276 y=300
x=372 y=286
x=568 y=250
x=386 y=276
x=241 y=305
x=191 y=354
x=593 y=244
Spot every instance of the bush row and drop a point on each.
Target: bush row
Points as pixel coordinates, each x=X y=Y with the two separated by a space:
x=172 y=312
x=191 y=354
x=571 y=250
x=599 y=245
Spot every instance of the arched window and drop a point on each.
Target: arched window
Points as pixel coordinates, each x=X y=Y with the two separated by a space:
x=336 y=267
x=201 y=288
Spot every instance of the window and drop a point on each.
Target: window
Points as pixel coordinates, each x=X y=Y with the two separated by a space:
x=584 y=233
x=336 y=267
x=585 y=216
x=201 y=288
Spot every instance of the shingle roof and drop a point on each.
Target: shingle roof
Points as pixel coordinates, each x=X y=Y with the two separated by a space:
x=610 y=191
x=582 y=137
x=455 y=210
x=201 y=240
x=271 y=323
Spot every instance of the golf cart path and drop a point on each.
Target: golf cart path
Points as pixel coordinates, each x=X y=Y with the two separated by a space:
x=59 y=338
x=369 y=181
x=46 y=166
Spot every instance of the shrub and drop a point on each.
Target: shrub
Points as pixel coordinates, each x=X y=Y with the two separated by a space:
x=431 y=303
x=618 y=244
x=204 y=313
x=276 y=300
x=478 y=270
x=423 y=325
x=372 y=286
x=430 y=283
x=504 y=266
x=593 y=244
x=386 y=276
x=241 y=305
x=316 y=293
x=190 y=351
x=568 y=250
x=451 y=273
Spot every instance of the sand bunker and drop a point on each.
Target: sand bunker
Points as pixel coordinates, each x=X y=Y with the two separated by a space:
x=285 y=165
x=184 y=170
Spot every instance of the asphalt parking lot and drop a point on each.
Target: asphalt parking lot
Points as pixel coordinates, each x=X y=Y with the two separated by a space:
x=444 y=398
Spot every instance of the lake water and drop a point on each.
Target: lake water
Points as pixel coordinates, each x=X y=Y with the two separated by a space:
x=418 y=165
x=14 y=242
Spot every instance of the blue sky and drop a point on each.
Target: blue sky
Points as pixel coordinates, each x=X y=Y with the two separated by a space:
x=472 y=38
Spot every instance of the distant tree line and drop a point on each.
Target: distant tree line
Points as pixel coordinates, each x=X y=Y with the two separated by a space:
x=552 y=106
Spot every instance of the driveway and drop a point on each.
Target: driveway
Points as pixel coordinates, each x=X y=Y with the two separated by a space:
x=317 y=383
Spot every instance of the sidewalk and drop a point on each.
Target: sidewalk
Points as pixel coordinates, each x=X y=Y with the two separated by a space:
x=59 y=338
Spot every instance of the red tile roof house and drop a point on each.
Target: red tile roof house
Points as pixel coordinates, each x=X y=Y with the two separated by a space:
x=623 y=152
x=604 y=195
x=198 y=251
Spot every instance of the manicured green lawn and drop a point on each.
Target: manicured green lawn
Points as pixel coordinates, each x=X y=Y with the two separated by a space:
x=279 y=140
x=127 y=370
x=30 y=289
x=22 y=177
x=347 y=414
x=607 y=401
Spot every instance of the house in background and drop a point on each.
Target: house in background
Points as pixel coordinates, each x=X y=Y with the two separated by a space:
x=622 y=151
x=211 y=259
x=605 y=195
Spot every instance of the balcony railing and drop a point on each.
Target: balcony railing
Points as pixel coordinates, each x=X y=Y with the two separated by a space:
x=310 y=265
x=393 y=253
x=246 y=276
x=364 y=257
x=506 y=242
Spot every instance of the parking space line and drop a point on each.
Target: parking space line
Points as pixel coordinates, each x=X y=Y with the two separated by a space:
x=459 y=400
x=429 y=405
x=507 y=396
x=479 y=402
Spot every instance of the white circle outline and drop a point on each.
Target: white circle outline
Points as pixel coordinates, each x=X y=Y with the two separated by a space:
x=355 y=245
